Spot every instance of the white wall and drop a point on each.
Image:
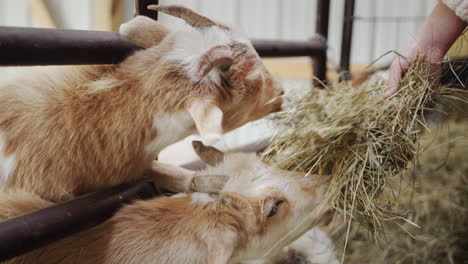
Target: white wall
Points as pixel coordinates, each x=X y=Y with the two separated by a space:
x=271 y=19
x=295 y=20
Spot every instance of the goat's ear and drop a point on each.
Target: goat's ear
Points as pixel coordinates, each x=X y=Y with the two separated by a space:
x=210 y=155
x=208 y=119
x=218 y=57
x=144 y=31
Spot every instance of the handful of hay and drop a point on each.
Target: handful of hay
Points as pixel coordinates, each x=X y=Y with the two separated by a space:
x=357 y=137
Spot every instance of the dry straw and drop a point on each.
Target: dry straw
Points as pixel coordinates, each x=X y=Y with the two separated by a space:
x=357 y=137
x=435 y=195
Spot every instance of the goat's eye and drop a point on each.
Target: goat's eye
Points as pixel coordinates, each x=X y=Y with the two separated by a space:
x=225 y=68
x=274 y=208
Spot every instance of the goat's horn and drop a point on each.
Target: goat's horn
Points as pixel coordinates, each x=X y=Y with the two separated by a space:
x=192 y=18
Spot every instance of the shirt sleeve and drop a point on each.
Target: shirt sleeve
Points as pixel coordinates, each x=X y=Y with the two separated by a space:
x=459 y=6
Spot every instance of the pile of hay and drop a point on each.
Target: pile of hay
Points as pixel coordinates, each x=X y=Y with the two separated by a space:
x=434 y=195
x=358 y=138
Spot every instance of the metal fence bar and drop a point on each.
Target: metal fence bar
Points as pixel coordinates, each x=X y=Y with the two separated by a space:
x=283 y=48
x=141 y=8
x=346 y=39
x=27 y=232
x=322 y=18
x=37 y=46
x=322 y=21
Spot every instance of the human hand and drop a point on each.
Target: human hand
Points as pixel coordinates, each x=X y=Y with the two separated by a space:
x=402 y=62
x=438 y=33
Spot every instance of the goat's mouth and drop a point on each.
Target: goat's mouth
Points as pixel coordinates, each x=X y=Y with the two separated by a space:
x=276 y=104
x=277 y=108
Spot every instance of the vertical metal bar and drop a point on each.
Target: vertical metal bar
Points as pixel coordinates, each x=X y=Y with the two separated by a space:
x=320 y=66
x=321 y=22
x=141 y=8
x=321 y=28
x=348 y=19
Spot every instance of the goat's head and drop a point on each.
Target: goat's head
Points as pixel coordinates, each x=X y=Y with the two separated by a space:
x=230 y=83
x=283 y=204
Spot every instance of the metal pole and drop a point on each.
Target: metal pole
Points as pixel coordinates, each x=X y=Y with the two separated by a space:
x=322 y=19
x=321 y=28
x=348 y=19
x=142 y=10
x=27 y=232
x=275 y=48
x=38 y=46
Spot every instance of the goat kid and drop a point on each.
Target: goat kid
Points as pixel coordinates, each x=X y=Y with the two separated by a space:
x=65 y=131
x=249 y=219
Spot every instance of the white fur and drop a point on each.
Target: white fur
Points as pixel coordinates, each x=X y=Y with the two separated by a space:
x=106 y=84
x=179 y=195
x=169 y=129
x=190 y=43
x=201 y=198
x=317 y=246
x=7 y=162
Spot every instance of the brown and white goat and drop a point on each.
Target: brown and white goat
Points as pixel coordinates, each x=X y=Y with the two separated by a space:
x=65 y=131
x=260 y=210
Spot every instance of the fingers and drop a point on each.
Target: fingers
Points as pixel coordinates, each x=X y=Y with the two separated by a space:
x=397 y=69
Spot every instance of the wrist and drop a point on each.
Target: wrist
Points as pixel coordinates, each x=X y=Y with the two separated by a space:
x=434 y=52
x=439 y=31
